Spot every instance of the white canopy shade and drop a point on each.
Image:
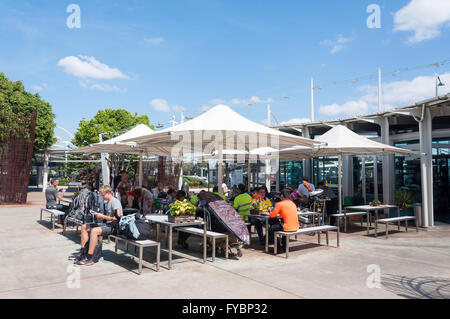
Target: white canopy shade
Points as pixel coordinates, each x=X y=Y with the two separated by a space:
x=119 y=146
x=220 y=129
x=224 y=126
x=341 y=141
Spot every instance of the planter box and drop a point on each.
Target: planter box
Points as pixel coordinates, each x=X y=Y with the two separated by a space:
x=181 y=219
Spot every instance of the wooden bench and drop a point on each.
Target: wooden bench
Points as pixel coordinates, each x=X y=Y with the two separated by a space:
x=388 y=221
x=209 y=234
x=350 y=214
x=53 y=213
x=308 y=230
x=141 y=244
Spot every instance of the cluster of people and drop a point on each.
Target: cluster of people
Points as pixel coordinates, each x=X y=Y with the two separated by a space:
x=282 y=209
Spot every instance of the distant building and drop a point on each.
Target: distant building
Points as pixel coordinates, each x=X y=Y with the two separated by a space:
x=423 y=126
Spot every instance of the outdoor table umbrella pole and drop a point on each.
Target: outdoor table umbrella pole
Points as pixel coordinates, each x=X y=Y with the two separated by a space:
x=340 y=182
x=220 y=176
x=141 y=173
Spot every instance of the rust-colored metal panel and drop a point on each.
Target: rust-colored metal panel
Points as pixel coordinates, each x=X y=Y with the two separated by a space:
x=15 y=160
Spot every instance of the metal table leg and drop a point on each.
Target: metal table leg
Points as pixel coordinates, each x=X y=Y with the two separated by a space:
x=204 y=242
x=267 y=236
x=170 y=247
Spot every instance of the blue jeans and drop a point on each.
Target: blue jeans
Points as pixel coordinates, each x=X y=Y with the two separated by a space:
x=258 y=222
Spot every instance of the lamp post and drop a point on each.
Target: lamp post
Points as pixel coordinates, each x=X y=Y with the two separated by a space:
x=438 y=83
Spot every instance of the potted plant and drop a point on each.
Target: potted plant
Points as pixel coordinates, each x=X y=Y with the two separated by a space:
x=404 y=200
x=181 y=212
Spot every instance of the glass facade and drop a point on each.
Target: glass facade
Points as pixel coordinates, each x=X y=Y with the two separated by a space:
x=326 y=169
x=291 y=173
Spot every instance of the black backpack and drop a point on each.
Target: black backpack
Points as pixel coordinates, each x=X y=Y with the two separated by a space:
x=134 y=227
x=81 y=206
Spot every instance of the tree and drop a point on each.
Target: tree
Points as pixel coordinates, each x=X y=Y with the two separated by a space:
x=110 y=123
x=15 y=100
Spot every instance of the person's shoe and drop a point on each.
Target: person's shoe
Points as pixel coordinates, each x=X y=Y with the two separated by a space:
x=85 y=262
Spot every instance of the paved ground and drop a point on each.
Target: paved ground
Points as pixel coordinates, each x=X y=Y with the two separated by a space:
x=34 y=264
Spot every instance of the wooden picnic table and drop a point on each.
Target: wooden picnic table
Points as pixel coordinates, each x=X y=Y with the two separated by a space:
x=162 y=220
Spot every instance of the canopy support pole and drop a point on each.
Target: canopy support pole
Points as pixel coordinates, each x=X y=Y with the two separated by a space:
x=45 y=178
x=141 y=173
x=220 y=169
x=340 y=183
x=249 y=174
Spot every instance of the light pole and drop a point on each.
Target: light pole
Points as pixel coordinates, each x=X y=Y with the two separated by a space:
x=438 y=83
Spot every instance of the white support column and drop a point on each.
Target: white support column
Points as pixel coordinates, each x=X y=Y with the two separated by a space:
x=347 y=163
x=141 y=173
x=249 y=174
x=363 y=175
x=220 y=168
x=45 y=178
x=375 y=177
x=426 y=168
x=387 y=169
x=307 y=162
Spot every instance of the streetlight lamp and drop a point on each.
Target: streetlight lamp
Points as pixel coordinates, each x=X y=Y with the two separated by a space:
x=438 y=84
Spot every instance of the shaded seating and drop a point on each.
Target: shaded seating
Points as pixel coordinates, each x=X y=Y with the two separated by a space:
x=308 y=230
x=141 y=244
x=388 y=221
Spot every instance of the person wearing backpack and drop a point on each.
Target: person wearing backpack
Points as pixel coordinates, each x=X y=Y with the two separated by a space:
x=91 y=232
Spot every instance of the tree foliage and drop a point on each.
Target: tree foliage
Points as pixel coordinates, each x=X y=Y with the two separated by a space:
x=110 y=123
x=14 y=100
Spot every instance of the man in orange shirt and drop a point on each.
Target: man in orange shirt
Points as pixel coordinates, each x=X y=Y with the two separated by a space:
x=288 y=213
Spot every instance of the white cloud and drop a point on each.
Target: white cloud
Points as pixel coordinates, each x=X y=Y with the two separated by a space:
x=205 y=108
x=89 y=67
x=338 y=44
x=100 y=86
x=161 y=105
x=348 y=108
x=39 y=87
x=154 y=41
x=395 y=94
x=217 y=101
x=252 y=101
x=295 y=121
x=425 y=18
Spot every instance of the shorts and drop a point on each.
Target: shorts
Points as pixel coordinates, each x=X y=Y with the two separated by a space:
x=107 y=229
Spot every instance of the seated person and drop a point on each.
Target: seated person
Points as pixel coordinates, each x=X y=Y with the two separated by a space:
x=52 y=196
x=216 y=191
x=124 y=182
x=171 y=194
x=304 y=189
x=243 y=201
x=332 y=205
x=145 y=200
x=91 y=232
x=265 y=204
x=287 y=210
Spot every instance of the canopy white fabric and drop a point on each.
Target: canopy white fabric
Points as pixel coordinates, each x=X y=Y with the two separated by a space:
x=341 y=141
x=123 y=144
x=219 y=129
x=119 y=146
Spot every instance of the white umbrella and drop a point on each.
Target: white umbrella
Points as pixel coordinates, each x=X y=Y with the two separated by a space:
x=123 y=144
x=220 y=129
x=341 y=141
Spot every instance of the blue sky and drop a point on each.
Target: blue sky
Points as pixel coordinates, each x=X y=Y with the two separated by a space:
x=159 y=57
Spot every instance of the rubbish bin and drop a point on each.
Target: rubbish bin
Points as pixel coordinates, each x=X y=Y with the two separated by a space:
x=418 y=213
